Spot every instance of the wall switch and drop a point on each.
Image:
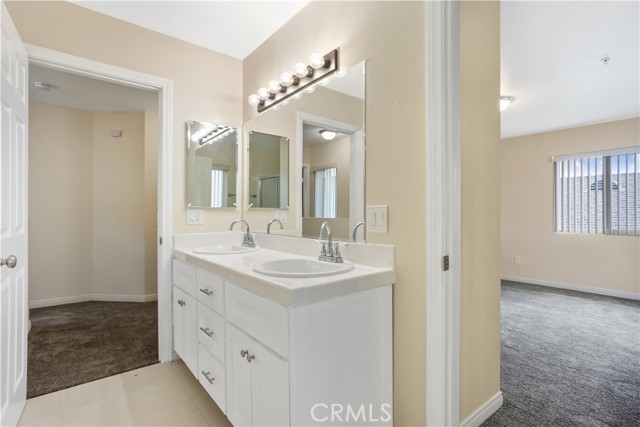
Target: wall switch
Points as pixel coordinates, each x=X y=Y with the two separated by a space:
x=378 y=218
x=517 y=259
x=195 y=216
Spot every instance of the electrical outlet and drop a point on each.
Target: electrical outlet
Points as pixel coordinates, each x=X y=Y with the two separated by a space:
x=517 y=259
x=195 y=216
x=378 y=218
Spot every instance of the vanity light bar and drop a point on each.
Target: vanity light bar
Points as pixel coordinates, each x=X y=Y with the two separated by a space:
x=304 y=77
x=216 y=134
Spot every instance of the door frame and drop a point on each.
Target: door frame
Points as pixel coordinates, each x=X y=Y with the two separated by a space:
x=443 y=212
x=110 y=73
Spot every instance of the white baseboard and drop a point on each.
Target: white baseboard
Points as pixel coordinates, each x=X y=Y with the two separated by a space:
x=92 y=297
x=483 y=413
x=572 y=287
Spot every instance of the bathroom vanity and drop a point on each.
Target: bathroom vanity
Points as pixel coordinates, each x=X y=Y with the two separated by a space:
x=286 y=347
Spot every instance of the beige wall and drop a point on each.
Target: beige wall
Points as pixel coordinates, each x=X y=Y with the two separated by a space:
x=118 y=204
x=151 y=203
x=480 y=204
x=206 y=85
x=598 y=261
x=60 y=202
x=92 y=205
x=390 y=35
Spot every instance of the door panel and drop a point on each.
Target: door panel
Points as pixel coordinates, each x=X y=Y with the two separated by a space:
x=269 y=388
x=13 y=222
x=238 y=378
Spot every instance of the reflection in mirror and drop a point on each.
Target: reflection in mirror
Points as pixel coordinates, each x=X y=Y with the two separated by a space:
x=212 y=165
x=327 y=175
x=268 y=171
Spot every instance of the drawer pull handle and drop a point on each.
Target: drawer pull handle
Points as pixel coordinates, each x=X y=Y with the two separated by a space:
x=207 y=331
x=206 y=291
x=206 y=375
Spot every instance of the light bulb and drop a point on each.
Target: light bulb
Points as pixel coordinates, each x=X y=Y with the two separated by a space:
x=300 y=70
x=311 y=89
x=286 y=79
x=325 y=82
x=274 y=87
x=254 y=100
x=263 y=94
x=341 y=72
x=316 y=61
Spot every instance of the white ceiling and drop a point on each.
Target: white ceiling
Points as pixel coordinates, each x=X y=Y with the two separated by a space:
x=83 y=93
x=550 y=62
x=235 y=28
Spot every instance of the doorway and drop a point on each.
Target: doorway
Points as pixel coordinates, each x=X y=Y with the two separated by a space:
x=163 y=89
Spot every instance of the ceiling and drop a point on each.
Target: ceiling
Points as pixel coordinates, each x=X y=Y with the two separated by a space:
x=87 y=94
x=550 y=62
x=235 y=28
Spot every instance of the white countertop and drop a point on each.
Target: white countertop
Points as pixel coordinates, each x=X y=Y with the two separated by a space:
x=237 y=269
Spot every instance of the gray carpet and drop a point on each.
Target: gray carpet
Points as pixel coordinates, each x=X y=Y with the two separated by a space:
x=74 y=344
x=568 y=359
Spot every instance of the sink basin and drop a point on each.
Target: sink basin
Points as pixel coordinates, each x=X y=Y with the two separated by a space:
x=224 y=249
x=299 y=267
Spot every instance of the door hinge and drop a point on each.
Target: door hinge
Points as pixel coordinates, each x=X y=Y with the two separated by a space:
x=445 y=263
x=160 y=241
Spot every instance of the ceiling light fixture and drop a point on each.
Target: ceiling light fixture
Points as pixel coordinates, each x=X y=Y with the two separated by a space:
x=327 y=135
x=43 y=86
x=505 y=101
x=304 y=77
x=216 y=134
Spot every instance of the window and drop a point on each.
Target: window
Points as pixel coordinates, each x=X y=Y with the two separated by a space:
x=218 y=188
x=325 y=193
x=598 y=193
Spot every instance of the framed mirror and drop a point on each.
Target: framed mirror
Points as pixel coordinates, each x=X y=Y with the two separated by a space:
x=268 y=171
x=326 y=174
x=212 y=165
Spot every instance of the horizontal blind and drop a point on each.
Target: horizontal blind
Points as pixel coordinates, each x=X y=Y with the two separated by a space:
x=625 y=192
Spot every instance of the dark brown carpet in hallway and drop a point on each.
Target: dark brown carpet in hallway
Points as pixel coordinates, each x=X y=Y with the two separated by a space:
x=74 y=344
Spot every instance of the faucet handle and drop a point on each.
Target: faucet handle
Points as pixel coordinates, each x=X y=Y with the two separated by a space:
x=247 y=240
x=323 y=251
x=337 y=257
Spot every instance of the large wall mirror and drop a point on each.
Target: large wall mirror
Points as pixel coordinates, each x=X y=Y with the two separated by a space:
x=212 y=165
x=327 y=168
x=268 y=171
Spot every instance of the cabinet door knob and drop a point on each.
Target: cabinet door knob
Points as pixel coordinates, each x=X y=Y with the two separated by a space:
x=207 y=331
x=206 y=375
x=250 y=357
x=243 y=353
x=206 y=291
x=10 y=262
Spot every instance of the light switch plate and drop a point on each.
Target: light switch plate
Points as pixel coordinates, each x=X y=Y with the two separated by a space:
x=195 y=216
x=377 y=218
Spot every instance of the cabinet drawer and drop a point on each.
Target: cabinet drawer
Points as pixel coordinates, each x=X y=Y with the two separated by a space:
x=184 y=276
x=265 y=320
x=211 y=331
x=210 y=291
x=211 y=375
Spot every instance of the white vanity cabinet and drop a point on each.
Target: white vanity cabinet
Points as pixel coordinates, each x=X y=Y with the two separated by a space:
x=266 y=362
x=185 y=341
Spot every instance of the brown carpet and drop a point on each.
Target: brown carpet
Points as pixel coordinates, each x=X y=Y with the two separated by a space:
x=74 y=344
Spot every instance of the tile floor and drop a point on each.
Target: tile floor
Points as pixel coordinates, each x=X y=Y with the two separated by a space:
x=165 y=394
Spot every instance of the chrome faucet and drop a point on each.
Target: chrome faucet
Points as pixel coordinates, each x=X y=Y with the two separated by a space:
x=355 y=230
x=271 y=222
x=247 y=240
x=328 y=252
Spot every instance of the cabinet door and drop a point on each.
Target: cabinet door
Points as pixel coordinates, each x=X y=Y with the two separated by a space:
x=185 y=335
x=238 y=377
x=269 y=387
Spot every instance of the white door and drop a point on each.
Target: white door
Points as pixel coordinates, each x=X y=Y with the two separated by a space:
x=13 y=223
x=238 y=377
x=203 y=181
